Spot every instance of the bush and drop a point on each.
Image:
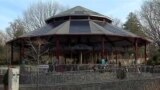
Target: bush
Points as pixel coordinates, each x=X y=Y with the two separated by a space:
x=155 y=59
x=121 y=74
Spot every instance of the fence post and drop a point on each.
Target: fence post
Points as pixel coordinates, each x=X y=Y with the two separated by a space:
x=13 y=78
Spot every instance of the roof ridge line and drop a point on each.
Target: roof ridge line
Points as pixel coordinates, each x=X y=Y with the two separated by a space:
x=59 y=26
x=102 y=29
x=123 y=30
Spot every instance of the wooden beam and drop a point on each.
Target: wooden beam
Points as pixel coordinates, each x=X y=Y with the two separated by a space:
x=116 y=57
x=57 y=49
x=136 y=49
x=145 y=52
x=102 y=47
x=93 y=56
x=111 y=42
x=81 y=57
x=126 y=39
x=20 y=53
x=119 y=40
x=11 y=60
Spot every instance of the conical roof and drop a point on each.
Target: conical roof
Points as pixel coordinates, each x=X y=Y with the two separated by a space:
x=83 y=27
x=88 y=27
x=79 y=11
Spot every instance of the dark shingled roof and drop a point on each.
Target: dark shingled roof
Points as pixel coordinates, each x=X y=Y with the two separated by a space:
x=79 y=27
x=79 y=11
x=82 y=26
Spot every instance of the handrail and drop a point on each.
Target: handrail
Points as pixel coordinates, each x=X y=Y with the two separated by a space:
x=91 y=67
x=85 y=67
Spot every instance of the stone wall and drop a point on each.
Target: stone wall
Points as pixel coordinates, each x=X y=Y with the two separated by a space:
x=143 y=84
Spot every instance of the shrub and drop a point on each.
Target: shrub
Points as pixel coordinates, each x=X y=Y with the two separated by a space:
x=121 y=74
x=155 y=59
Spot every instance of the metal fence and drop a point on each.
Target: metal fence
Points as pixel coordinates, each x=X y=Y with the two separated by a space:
x=89 y=67
x=65 y=74
x=84 y=73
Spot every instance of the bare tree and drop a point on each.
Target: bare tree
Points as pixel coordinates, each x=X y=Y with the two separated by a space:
x=15 y=29
x=34 y=17
x=3 y=38
x=37 y=48
x=3 y=47
x=117 y=22
x=150 y=12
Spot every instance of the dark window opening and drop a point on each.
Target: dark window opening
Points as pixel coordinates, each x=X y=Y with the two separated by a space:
x=79 y=27
x=79 y=17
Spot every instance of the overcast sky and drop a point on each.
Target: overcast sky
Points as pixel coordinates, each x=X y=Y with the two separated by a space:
x=11 y=9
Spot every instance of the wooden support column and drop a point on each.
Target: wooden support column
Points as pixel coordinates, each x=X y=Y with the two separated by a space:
x=11 y=60
x=7 y=54
x=116 y=57
x=23 y=51
x=20 y=53
x=111 y=58
x=57 y=49
x=81 y=57
x=136 y=49
x=145 y=52
x=93 y=56
x=102 y=47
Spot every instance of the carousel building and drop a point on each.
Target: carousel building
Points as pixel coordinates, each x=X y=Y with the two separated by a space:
x=75 y=36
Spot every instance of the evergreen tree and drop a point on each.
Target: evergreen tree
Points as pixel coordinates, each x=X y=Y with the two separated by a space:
x=155 y=59
x=133 y=25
